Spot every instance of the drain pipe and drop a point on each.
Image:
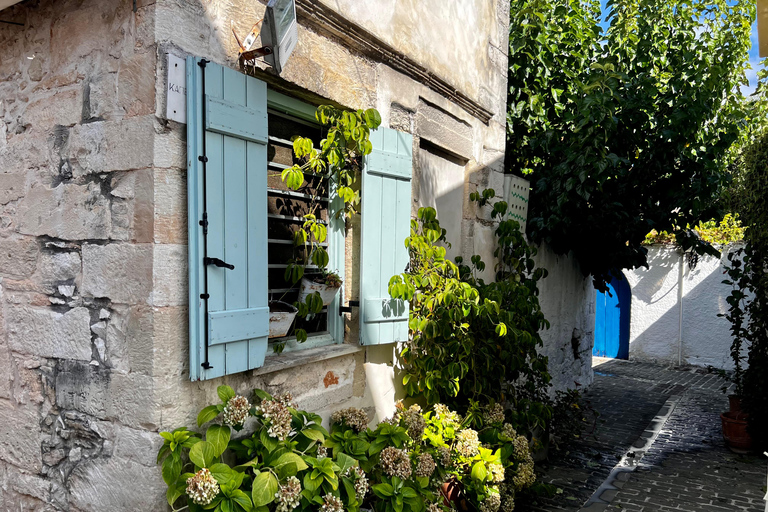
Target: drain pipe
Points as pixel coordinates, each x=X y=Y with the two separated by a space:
x=680 y=305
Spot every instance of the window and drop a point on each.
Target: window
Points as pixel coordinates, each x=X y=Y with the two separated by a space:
x=241 y=219
x=288 y=117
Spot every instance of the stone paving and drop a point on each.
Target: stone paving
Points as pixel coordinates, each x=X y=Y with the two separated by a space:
x=654 y=444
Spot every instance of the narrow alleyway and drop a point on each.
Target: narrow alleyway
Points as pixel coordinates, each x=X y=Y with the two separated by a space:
x=654 y=444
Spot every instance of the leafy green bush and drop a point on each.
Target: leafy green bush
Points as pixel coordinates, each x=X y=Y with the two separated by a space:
x=287 y=461
x=623 y=118
x=727 y=231
x=471 y=340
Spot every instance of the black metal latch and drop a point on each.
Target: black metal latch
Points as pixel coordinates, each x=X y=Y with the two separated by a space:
x=218 y=263
x=348 y=309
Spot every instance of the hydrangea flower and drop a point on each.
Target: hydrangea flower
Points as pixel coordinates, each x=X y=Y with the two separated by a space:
x=497 y=473
x=278 y=418
x=494 y=414
x=332 y=504
x=361 y=484
x=288 y=497
x=414 y=422
x=395 y=462
x=491 y=503
x=524 y=476
x=202 y=487
x=236 y=411
x=448 y=417
x=508 y=431
x=467 y=443
x=425 y=465
x=445 y=456
x=522 y=450
x=353 y=417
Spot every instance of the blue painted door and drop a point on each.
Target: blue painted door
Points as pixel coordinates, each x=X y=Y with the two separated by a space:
x=612 y=320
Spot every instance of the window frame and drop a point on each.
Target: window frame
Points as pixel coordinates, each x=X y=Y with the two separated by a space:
x=286 y=105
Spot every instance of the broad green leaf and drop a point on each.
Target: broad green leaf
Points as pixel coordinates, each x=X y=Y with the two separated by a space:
x=207 y=414
x=171 y=469
x=218 y=436
x=290 y=457
x=202 y=454
x=225 y=393
x=264 y=488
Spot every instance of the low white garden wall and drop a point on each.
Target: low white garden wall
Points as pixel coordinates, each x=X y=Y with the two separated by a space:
x=656 y=306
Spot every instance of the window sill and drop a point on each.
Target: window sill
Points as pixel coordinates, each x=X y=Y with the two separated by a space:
x=284 y=361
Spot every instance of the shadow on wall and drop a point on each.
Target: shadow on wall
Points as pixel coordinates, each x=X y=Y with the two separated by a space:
x=655 y=326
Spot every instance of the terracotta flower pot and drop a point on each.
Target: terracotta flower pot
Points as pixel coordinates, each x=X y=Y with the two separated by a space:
x=327 y=292
x=735 y=432
x=452 y=492
x=281 y=315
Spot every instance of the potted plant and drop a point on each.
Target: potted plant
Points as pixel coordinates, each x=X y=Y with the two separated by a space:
x=326 y=283
x=735 y=420
x=281 y=315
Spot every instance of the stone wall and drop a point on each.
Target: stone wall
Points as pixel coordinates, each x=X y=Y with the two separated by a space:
x=655 y=310
x=93 y=272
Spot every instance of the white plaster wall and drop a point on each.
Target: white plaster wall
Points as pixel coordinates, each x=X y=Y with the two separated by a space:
x=655 y=310
x=567 y=299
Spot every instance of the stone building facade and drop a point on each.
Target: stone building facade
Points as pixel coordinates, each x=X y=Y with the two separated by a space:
x=93 y=219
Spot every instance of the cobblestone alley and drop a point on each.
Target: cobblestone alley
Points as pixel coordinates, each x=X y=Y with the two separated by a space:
x=655 y=445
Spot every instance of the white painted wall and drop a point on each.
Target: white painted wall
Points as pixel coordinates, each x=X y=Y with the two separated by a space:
x=655 y=313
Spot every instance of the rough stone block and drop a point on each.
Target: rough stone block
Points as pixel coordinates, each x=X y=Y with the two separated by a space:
x=20 y=436
x=62 y=108
x=444 y=130
x=132 y=206
x=122 y=272
x=116 y=484
x=129 y=347
x=136 y=84
x=106 y=394
x=69 y=211
x=18 y=258
x=170 y=206
x=106 y=146
x=58 y=267
x=46 y=333
x=11 y=187
x=170 y=275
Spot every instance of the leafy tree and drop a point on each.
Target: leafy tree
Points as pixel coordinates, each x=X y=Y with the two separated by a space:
x=624 y=129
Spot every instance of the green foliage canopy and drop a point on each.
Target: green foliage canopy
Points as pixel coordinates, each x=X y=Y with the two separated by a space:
x=626 y=129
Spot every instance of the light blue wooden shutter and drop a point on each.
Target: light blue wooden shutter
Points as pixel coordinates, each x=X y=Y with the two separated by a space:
x=227 y=123
x=386 y=223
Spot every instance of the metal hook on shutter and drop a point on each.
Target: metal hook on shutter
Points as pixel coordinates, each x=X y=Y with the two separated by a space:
x=217 y=262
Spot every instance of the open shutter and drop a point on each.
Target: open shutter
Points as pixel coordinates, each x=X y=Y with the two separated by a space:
x=227 y=195
x=386 y=223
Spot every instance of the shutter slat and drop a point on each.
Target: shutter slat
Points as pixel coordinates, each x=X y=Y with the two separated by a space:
x=386 y=211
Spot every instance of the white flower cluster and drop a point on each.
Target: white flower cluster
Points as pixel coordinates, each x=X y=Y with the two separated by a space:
x=202 y=487
x=497 y=473
x=352 y=417
x=236 y=411
x=522 y=450
x=433 y=507
x=414 y=422
x=332 y=504
x=508 y=431
x=395 y=462
x=288 y=497
x=361 y=484
x=286 y=399
x=467 y=443
x=278 y=417
x=445 y=456
x=322 y=452
x=524 y=476
x=448 y=417
x=494 y=414
x=491 y=503
x=425 y=465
